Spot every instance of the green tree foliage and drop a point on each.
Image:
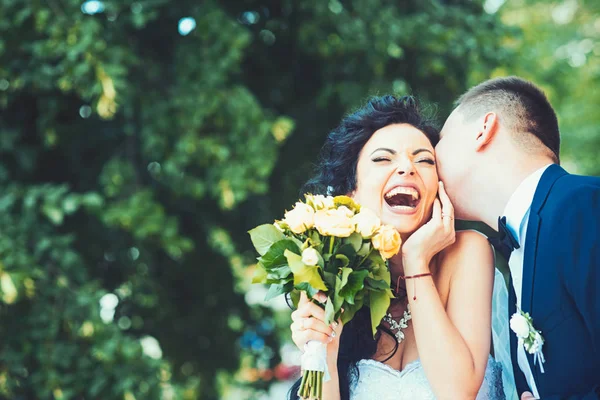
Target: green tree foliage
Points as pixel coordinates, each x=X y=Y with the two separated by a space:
x=134 y=158
x=557 y=45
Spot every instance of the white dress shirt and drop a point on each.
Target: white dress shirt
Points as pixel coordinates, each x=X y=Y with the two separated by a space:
x=517 y=216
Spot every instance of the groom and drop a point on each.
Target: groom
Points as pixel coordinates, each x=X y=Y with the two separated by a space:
x=499 y=157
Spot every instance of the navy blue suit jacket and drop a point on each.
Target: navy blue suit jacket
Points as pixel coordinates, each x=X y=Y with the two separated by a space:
x=561 y=285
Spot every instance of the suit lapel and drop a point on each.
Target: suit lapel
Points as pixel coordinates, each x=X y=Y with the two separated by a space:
x=529 y=257
x=548 y=179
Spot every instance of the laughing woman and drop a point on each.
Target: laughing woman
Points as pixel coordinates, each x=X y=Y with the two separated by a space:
x=435 y=340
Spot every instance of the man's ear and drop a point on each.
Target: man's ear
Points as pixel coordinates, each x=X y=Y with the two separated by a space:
x=487 y=130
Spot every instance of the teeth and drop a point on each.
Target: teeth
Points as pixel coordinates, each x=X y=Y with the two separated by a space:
x=403 y=190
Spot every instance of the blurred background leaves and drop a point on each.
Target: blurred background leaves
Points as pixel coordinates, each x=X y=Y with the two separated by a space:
x=140 y=140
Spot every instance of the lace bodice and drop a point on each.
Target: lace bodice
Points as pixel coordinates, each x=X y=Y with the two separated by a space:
x=380 y=381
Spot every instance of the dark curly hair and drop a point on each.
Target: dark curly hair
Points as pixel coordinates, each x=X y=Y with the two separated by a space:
x=336 y=170
x=336 y=175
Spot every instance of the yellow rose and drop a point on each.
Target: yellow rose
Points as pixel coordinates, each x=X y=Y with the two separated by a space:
x=335 y=222
x=366 y=222
x=300 y=218
x=387 y=240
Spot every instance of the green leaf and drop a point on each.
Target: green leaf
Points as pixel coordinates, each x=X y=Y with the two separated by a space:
x=260 y=275
x=295 y=297
x=310 y=291
x=354 y=285
x=377 y=284
x=264 y=236
x=381 y=272
x=329 y=279
x=337 y=299
x=344 y=278
x=364 y=250
x=304 y=273
x=315 y=238
x=379 y=302
x=350 y=310
x=280 y=272
x=275 y=257
x=329 y=312
x=345 y=261
x=347 y=250
x=297 y=241
x=276 y=290
x=355 y=240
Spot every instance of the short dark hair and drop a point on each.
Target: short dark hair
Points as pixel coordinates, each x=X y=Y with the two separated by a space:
x=522 y=106
x=336 y=170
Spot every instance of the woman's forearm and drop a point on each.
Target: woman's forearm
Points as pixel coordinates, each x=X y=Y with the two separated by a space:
x=447 y=360
x=331 y=388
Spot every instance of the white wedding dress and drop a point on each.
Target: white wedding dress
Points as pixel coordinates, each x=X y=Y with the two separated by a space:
x=381 y=382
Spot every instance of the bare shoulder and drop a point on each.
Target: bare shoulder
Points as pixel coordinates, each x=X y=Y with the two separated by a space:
x=471 y=251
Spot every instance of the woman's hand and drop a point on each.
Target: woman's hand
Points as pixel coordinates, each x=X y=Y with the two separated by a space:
x=431 y=238
x=308 y=324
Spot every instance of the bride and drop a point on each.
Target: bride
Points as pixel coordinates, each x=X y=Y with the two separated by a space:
x=435 y=339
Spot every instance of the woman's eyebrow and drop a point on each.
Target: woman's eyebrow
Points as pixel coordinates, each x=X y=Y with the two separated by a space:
x=384 y=149
x=421 y=151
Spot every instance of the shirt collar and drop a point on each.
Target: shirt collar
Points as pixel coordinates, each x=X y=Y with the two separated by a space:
x=520 y=202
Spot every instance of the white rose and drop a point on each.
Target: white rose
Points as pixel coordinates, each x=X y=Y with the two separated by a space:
x=334 y=222
x=519 y=325
x=310 y=256
x=300 y=218
x=366 y=222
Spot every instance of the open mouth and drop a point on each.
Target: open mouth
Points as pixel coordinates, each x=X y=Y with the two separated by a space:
x=403 y=198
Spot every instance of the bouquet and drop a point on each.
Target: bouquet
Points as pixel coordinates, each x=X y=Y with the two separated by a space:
x=327 y=244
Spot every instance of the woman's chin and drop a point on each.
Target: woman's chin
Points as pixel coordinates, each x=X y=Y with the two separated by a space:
x=404 y=224
x=404 y=228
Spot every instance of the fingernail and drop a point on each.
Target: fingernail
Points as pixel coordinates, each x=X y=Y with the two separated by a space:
x=335 y=324
x=342 y=309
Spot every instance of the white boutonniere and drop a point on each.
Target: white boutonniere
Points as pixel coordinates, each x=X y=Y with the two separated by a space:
x=530 y=338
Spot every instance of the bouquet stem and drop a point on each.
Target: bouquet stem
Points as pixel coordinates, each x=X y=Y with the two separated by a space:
x=311 y=386
x=314 y=365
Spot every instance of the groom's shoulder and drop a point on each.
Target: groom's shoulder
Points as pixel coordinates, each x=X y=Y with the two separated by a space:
x=568 y=184
x=575 y=193
x=575 y=182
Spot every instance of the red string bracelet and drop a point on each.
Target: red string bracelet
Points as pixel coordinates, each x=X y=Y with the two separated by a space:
x=415 y=284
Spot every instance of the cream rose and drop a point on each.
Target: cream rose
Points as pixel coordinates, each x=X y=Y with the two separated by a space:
x=519 y=325
x=310 y=256
x=320 y=202
x=366 y=222
x=300 y=218
x=335 y=222
x=345 y=211
x=387 y=240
